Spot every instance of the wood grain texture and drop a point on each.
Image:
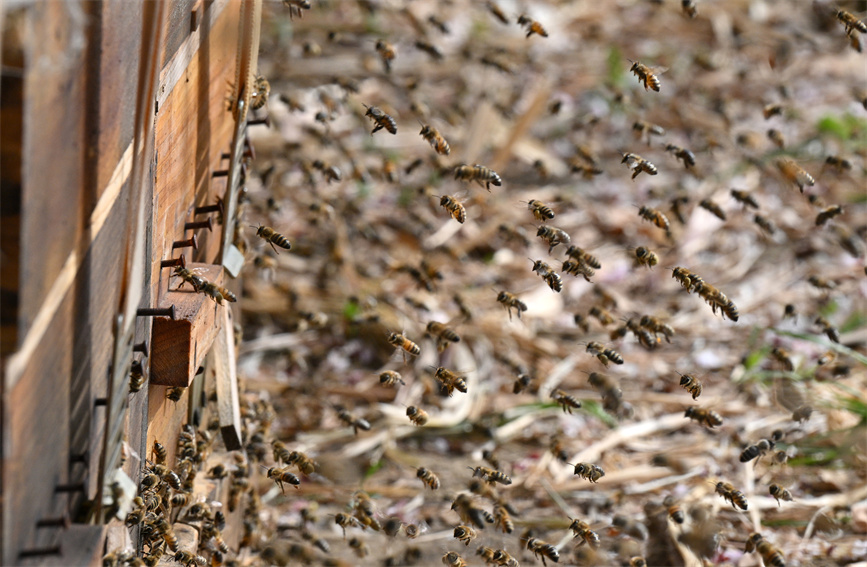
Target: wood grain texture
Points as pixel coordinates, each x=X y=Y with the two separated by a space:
x=223 y=368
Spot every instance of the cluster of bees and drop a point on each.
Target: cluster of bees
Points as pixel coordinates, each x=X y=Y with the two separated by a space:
x=390 y=249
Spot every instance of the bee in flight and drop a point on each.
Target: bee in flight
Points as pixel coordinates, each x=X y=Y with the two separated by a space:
x=645 y=257
x=581 y=529
x=532 y=26
x=381 y=119
x=455 y=207
x=703 y=416
x=443 y=334
x=683 y=154
x=824 y=216
x=390 y=378
x=417 y=415
x=795 y=173
x=429 y=479
x=386 y=53
x=589 y=471
x=351 y=419
x=646 y=75
x=552 y=278
x=712 y=208
x=735 y=497
x=553 y=236
x=850 y=22
x=272 y=237
x=401 y=342
x=540 y=210
x=566 y=401
x=435 y=139
x=497 y=12
x=450 y=381
x=543 y=549
x=510 y=301
x=744 y=198
x=480 y=174
x=603 y=353
x=656 y=217
x=465 y=534
x=638 y=164
x=691 y=384
x=771 y=555
x=490 y=475
x=780 y=493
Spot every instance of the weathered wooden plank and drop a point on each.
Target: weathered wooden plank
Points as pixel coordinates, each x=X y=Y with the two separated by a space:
x=223 y=368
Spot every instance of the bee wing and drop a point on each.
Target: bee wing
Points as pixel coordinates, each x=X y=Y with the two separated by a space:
x=788 y=393
x=659 y=70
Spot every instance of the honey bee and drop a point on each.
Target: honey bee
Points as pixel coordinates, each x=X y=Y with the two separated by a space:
x=709 y=418
x=510 y=301
x=608 y=389
x=780 y=493
x=417 y=415
x=646 y=75
x=656 y=217
x=821 y=283
x=532 y=26
x=565 y=400
x=497 y=12
x=802 y=413
x=583 y=256
x=399 y=341
x=468 y=512
x=351 y=419
x=491 y=475
x=171 y=478
x=429 y=479
x=850 y=22
x=689 y=8
x=589 y=472
x=656 y=326
x=261 y=91
x=772 y=109
x=717 y=299
x=581 y=529
x=641 y=128
x=645 y=257
x=830 y=331
x=465 y=534
x=450 y=381
x=601 y=314
x=794 y=173
x=523 y=382
x=578 y=268
x=390 y=378
x=638 y=164
x=837 y=163
x=381 y=120
x=487 y=554
x=432 y=50
x=553 y=236
x=603 y=353
x=744 y=198
x=360 y=548
x=281 y=476
x=765 y=224
x=304 y=463
x=543 y=549
x=480 y=174
x=683 y=154
x=771 y=556
x=854 y=41
x=443 y=334
x=273 y=238
x=541 y=211
x=346 y=521
x=735 y=497
x=164 y=528
x=677 y=204
x=188 y=276
x=639 y=561
x=136 y=376
x=212 y=290
x=675 y=512
x=435 y=139
x=713 y=208
x=330 y=172
x=552 y=278
x=827 y=358
x=190 y=559
x=386 y=53
x=452 y=559
x=828 y=214
x=174 y=394
x=777 y=138
x=691 y=384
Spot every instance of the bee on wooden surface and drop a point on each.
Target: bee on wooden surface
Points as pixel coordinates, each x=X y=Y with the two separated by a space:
x=828 y=214
x=689 y=8
x=638 y=164
x=713 y=208
x=399 y=341
x=603 y=353
x=645 y=75
x=578 y=268
x=589 y=472
x=540 y=210
x=351 y=419
x=794 y=173
x=553 y=236
x=490 y=475
x=416 y=415
x=656 y=217
x=389 y=378
x=682 y=154
x=190 y=559
x=174 y=394
x=435 y=139
x=137 y=514
x=583 y=256
x=543 y=549
x=532 y=26
x=771 y=556
x=381 y=120
x=188 y=276
x=850 y=22
x=273 y=238
x=657 y=327
x=780 y=493
x=641 y=128
x=581 y=529
x=480 y=174
x=602 y=315
x=552 y=278
x=136 y=376
x=443 y=335
x=745 y=198
x=172 y=479
x=691 y=384
x=706 y=417
x=645 y=257
x=765 y=224
x=386 y=53
x=261 y=92
x=675 y=512
x=469 y=512
x=510 y=301
x=452 y=559
x=729 y=493
x=566 y=401
x=830 y=330
x=772 y=109
x=450 y=381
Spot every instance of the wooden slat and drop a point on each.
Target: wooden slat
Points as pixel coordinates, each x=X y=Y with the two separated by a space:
x=223 y=368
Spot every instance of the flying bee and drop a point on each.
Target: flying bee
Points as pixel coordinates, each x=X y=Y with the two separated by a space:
x=850 y=22
x=566 y=401
x=675 y=512
x=854 y=41
x=359 y=547
x=543 y=549
x=765 y=224
x=281 y=476
x=827 y=358
x=646 y=75
x=837 y=163
x=706 y=417
x=689 y=9
x=583 y=256
x=777 y=138
x=589 y=472
x=641 y=128
x=603 y=353
x=444 y=335
x=578 y=268
x=480 y=174
x=645 y=257
x=691 y=384
x=346 y=521
x=830 y=330
x=432 y=50
x=802 y=413
x=510 y=301
x=212 y=290
x=497 y=12
x=465 y=534
x=136 y=376
x=351 y=419
x=261 y=91
x=639 y=561
x=174 y=394
x=602 y=315
x=532 y=26
x=399 y=341
x=794 y=173
x=552 y=278
x=828 y=214
x=381 y=120
x=417 y=415
x=490 y=475
x=487 y=554
x=450 y=381
x=452 y=559
x=386 y=53
x=656 y=326
x=735 y=497
x=540 y=210
x=713 y=208
x=553 y=236
x=682 y=154
x=469 y=512
x=744 y=198
x=821 y=283
x=429 y=479
x=522 y=382
x=638 y=164
x=304 y=463
x=780 y=493
x=581 y=529
x=771 y=556
x=390 y=378
x=435 y=139
x=273 y=238
x=455 y=207
x=772 y=109
x=656 y=217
